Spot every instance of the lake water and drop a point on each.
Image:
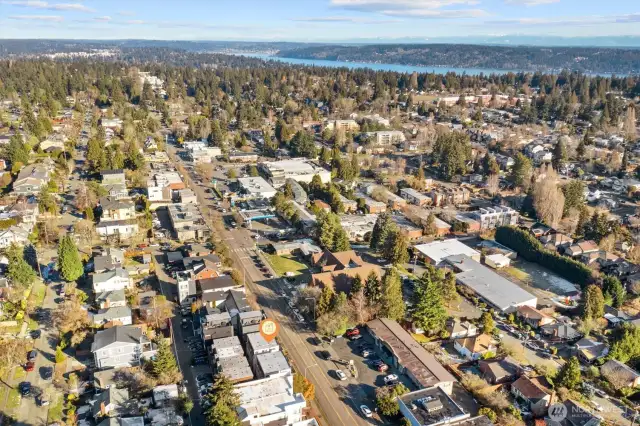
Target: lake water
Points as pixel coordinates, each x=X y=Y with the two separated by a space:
x=377 y=67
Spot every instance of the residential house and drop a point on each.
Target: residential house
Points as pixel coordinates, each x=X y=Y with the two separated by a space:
x=112 y=258
x=535 y=392
x=111 y=299
x=215 y=325
x=339 y=269
x=120 y=346
x=556 y=241
x=187 y=222
x=187 y=290
x=118 y=315
x=32 y=178
x=474 y=347
x=272 y=364
x=589 y=350
x=496 y=216
x=120 y=229
x=581 y=248
x=560 y=332
x=620 y=375
x=113 y=177
x=374 y=207
x=458 y=329
x=15 y=234
x=255 y=345
x=500 y=371
x=122 y=421
x=113 y=402
x=449 y=196
x=115 y=279
x=116 y=209
x=203 y=267
x=534 y=317
x=212 y=291
x=165 y=395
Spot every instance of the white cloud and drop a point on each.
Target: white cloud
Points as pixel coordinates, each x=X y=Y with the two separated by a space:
x=391 y=5
x=573 y=21
x=126 y=13
x=346 y=19
x=102 y=18
x=531 y=2
x=135 y=22
x=425 y=9
x=36 y=4
x=439 y=14
x=48 y=18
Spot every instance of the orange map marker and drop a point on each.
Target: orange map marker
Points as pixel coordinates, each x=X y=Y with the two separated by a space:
x=269 y=329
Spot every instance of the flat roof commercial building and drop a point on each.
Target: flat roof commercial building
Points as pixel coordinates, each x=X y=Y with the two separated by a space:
x=409 y=356
x=496 y=290
x=436 y=252
x=431 y=407
x=270 y=401
x=298 y=169
x=257 y=187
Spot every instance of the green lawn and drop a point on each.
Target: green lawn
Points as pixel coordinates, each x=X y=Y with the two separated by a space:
x=517 y=273
x=13 y=401
x=38 y=293
x=281 y=264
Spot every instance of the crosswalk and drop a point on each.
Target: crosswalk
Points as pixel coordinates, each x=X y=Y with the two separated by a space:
x=243 y=250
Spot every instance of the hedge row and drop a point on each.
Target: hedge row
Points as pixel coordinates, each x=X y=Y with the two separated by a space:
x=532 y=250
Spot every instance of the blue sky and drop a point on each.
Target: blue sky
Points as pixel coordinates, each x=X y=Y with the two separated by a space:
x=314 y=20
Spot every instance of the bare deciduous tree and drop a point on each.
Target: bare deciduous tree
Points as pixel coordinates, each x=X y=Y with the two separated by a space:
x=492 y=184
x=548 y=199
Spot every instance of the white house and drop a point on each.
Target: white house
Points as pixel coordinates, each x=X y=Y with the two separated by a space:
x=115 y=315
x=14 y=234
x=117 y=228
x=117 y=279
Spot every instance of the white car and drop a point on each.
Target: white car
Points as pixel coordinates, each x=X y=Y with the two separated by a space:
x=390 y=378
x=366 y=411
x=341 y=375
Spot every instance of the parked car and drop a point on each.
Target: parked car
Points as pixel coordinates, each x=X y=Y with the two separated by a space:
x=47 y=373
x=32 y=355
x=340 y=374
x=29 y=366
x=390 y=378
x=356 y=337
x=325 y=355
x=353 y=332
x=43 y=401
x=382 y=367
x=25 y=388
x=366 y=352
x=366 y=411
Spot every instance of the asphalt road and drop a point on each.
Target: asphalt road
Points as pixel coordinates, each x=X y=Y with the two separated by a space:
x=335 y=409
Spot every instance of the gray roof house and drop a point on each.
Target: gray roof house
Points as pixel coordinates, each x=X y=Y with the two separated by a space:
x=120 y=346
x=113 y=402
x=115 y=315
x=31 y=179
x=111 y=299
x=116 y=279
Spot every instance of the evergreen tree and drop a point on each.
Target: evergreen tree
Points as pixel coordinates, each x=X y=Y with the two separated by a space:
x=559 y=155
x=581 y=150
x=69 y=263
x=372 y=289
x=594 y=303
x=569 y=375
x=429 y=313
x=341 y=241
x=383 y=227
x=164 y=362
x=626 y=346
x=325 y=155
x=490 y=165
x=16 y=150
x=521 y=171
x=325 y=301
x=573 y=196
x=116 y=160
x=488 y=324
x=356 y=286
x=396 y=248
x=449 y=291
x=430 y=228
x=392 y=305
x=613 y=291
x=222 y=401
x=19 y=271
x=302 y=145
